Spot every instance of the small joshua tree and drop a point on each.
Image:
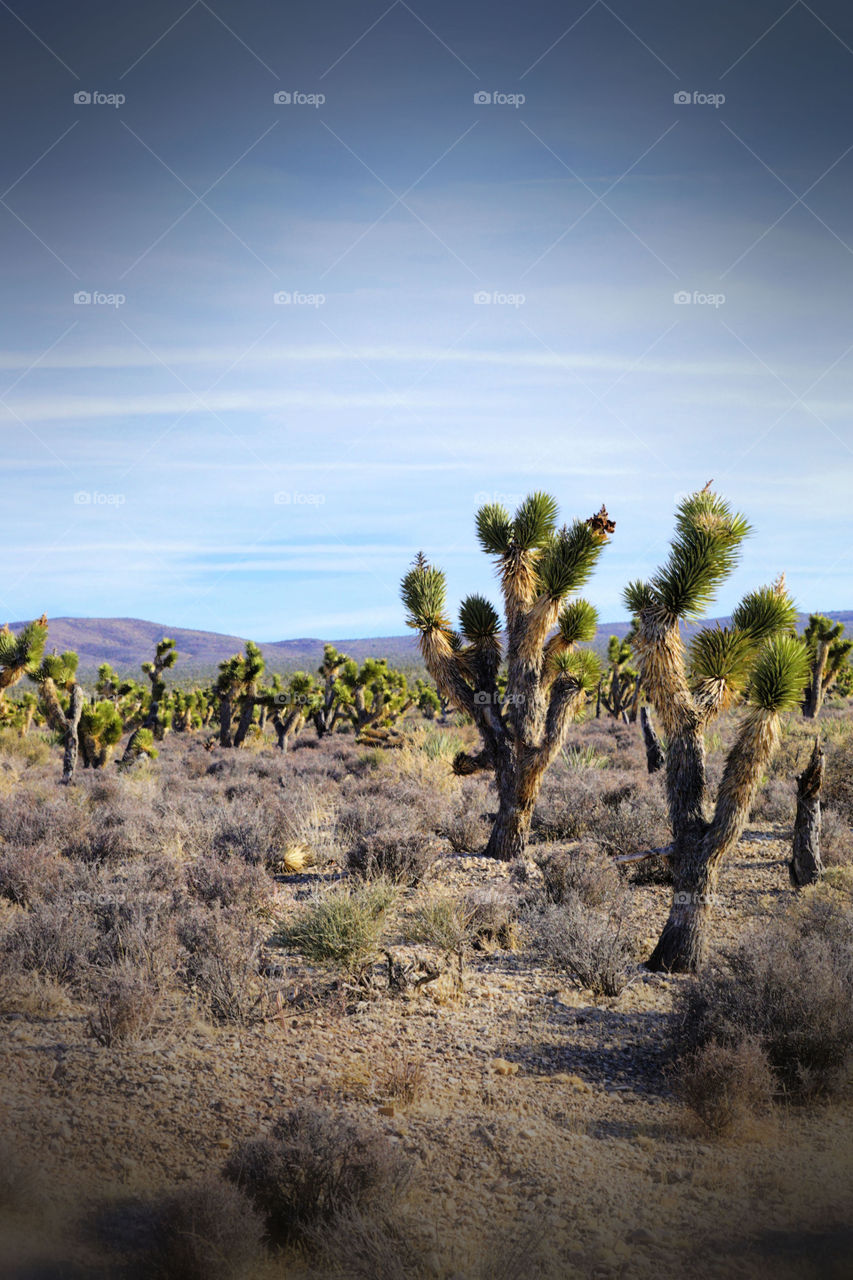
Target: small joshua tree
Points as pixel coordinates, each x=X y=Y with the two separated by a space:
x=374 y=696
x=165 y=656
x=55 y=675
x=615 y=688
x=251 y=670
x=758 y=660
x=828 y=654
x=238 y=686
x=101 y=727
x=326 y=715
x=291 y=706
x=547 y=676
x=21 y=654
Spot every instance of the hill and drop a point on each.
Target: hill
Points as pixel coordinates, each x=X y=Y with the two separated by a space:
x=127 y=642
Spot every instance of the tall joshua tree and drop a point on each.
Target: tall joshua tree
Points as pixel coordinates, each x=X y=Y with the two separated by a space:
x=251 y=669
x=828 y=653
x=165 y=656
x=547 y=676
x=20 y=654
x=757 y=660
x=291 y=706
x=326 y=715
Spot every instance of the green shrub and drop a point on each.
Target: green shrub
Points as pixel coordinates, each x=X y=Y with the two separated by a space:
x=341 y=926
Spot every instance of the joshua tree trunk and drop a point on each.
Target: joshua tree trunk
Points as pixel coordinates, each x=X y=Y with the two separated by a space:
x=635 y=702
x=655 y=758
x=814 y=702
x=69 y=757
x=226 y=715
x=245 y=721
x=805 y=865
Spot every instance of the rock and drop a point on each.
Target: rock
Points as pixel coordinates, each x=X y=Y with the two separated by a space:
x=388 y=1110
x=503 y=1068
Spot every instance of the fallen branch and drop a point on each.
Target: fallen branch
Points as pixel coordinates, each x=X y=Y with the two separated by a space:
x=665 y=852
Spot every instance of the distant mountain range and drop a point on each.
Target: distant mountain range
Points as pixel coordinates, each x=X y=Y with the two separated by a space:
x=127 y=642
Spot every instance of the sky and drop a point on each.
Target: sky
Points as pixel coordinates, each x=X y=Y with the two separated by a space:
x=290 y=291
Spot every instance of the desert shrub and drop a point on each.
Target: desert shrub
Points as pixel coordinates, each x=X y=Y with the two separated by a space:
x=251 y=829
x=115 y=835
x=403 y=857
x=632 y=818
x=125 y=1009
x=836 y=839
x=587 y=942
x=466 y=830
x=206 y=1231
x=585 y=757
x=651 y=871
x=315 y=1165
x=220 y=965
x=581 y=870
x=54 y=939
x=26 y=873
x=135 y=926
x=442 y=923
x=341 y=926
x=775 y=802
x=837 y=790
x=27 y=749
x=28 y=818
x=492 y=918
x=227 y=881
x=727 y=1085
x=365 y=1245
x=401 y=1079
x=788 y=987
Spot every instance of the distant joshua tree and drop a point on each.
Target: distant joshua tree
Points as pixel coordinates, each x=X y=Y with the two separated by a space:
x=165 y=657
x=757 y=661
x=547 y=676
x=56 y=678
x=21 y=654
x=829 y=653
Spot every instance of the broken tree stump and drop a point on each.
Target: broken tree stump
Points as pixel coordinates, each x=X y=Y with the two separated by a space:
x=805 y=865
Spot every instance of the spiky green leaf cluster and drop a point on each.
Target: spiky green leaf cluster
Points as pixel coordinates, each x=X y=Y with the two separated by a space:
x=102 y=722
x=764 y=613
x=479 y=620
x=494 y=529
x=583 y=665
x=720 y=654
x=578 y=622
x=424 y=593
x=18 y=652
x=638 y=596
x=568 y=558
x=61 y=668
x=781 y=670
x=535 y=521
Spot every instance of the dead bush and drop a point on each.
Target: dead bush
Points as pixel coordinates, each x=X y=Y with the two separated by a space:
x=208 y=1231
x=224 y=880
x=54 y=939
x=126 y=1008
x=589 y=943
x=27 y=873
x=582 y=870
x=403 y=857
x=789 y=987
x=315 y=1165
x=492 y=918
x=836 y=839
x=467 y=831
x=220 y=965
x=727 y=1085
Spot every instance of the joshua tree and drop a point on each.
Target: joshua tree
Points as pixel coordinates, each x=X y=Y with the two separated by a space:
x=238 y=686
x=622 y=677
x=251 y=670
x=374 y=696
x=292 y=706
x=547 y=678
x=165 y=656
x=828 y=654
x=56 y=672
x=21 y=654
x=101 y=727
x=427 y=701
x=327 y=713
x=757 y=660
x=140 y=743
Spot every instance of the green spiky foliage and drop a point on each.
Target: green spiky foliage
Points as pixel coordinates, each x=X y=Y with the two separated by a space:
x=829 y=654
x=427 y=699
x=21 y=654
x=100 y=729
x=614 y=691
x=238 y=687
x=165 y=657
x=756 y=663
x=186 y=708
x=523 y=679
x=252 y=669
x=140 y=747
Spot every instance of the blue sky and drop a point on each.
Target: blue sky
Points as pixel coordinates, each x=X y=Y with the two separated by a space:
x=185 y=448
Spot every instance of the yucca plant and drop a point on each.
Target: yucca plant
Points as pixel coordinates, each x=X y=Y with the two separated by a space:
x=21 y=654
x=829 y=652
x=101 y=727
x=547 y=676
x=374 y=695
x=757 y=661
x=55 y=676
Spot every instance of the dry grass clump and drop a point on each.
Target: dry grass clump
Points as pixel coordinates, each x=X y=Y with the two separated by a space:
x=404 y=857
x=582 y=870
x=443 y=923
x=206 y=1231
x=341 y=926
x=225 y=880
x=314 y=1166
x=27 y=873
x=727 y=1085
x=26 y=749
x=220 y=965
x=53 y=939
x=787 y=987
